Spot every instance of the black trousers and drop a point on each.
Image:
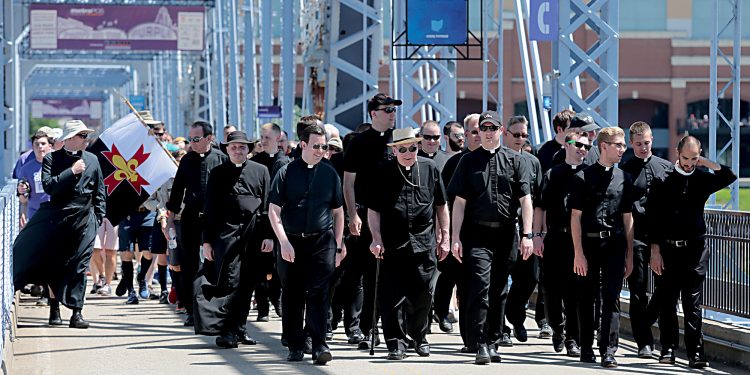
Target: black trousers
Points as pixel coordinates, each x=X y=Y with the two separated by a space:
x=405 y=296
x=488 y=255
x=347 y=290
x=306 y=284
x=525 y=276
x=189 y=235
x=268 y=285
x=643 y=313
x=606 y=269
x=559 y=285
x=451 y=274
x=683 y=276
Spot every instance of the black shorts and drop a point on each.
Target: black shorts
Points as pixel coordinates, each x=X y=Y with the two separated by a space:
x=129 y=236
x=158 y=241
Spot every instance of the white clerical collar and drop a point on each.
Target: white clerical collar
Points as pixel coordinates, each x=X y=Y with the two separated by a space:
x=238 y=165
x=431 y=155
x=606 y=168
x=407 y=168
x=682 y=171
x=572 y=166
x=310 y=166
x=74 y=152
x=493 y=150
x=271 y=155
x=382 y=134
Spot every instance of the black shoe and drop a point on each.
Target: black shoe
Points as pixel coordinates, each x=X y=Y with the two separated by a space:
x=121 y=289
x=132 y=298
x=308 y=345
x=329 y=335
x=558 y=343
x=36 y=291
x=54 y=314
x=76 y=320
x=423 y=350
x=520 y=332
x=545 y=331
x=356 y=337
x=164 y=298
x=365 y=344
x=284 y=342
x=587 y=356
x=245 y=339
x=494 y=355
x=609 y=361
x=226 y=341
x=698 y=361
x=505 y=341
x=446 y=325
x=396 y=355
x=572 y=349
x=645 y=352
x=466 y=349
x=189 y=322
x=483 y=355
x=295 y=356
x=323 y=357
x=667 y=356
x=262 y=318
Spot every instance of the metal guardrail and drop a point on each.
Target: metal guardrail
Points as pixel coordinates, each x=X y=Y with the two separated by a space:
x=9 y=211
x=727 y=286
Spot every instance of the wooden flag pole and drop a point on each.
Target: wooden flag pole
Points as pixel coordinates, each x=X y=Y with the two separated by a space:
x=150 y=131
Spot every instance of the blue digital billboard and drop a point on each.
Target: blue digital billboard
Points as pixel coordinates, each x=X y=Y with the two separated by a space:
x=436 y=22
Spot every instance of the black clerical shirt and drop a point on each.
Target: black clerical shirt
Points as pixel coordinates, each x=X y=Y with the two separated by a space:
x=405 y=199
x=191 y=179
x=272 y=162
x=363 y=156
x=306 y=195
x=546 y=153
x=554 y=194
x=676 y=204
x=439 y=157
x=643 y=173
x=494 y=200
x=602 y=194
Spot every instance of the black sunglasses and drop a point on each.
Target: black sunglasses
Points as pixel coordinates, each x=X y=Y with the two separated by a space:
x=431 y=137
x=519 y=135
x=492 y=128
x=83 y=135
x=387 y=109
x=320 y=146
x=403 y=150
x=579 y=144
x=158 y=134
x=196 y=139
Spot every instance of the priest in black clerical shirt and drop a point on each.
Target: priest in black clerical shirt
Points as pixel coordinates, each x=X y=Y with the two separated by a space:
x=306 y=213
x=233 y=234
x=401 y=217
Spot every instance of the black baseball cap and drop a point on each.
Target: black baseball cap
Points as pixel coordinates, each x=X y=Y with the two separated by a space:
x=381 y=99
x=491 y=117
x=584 y=121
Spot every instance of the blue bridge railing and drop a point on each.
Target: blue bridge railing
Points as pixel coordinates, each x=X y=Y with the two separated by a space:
x=9 y=228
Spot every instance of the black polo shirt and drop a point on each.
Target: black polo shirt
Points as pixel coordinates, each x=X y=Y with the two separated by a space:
x=676 y=205
x=405 y=199
x=495 y=199
x=306 y=196
x=602 y=194
x=643 y=173
x=363 y=156
x=554 y=195
x=439 y=157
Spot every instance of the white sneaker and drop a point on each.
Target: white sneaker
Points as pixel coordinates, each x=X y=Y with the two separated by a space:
x=106 y=290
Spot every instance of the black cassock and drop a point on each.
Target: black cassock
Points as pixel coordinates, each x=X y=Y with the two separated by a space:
x=235 y=225
x=54 y=248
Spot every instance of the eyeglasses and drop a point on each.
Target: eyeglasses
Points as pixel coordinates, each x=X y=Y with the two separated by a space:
x=579 y=144
x=431 y=137
x=458 y=136
x=387 y=109
x=492 y=128
x=620 y=146
x=403 y=150
x=83 y=135
x=519 y=135
x=196 y=139
x=320 y=146
x=159 y=134
x=474 y=132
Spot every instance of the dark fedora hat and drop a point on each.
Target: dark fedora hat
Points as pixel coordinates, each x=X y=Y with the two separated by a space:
x=237 y=137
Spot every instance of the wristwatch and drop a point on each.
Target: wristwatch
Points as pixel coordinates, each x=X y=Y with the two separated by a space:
x=528 y=235
x=338 y=250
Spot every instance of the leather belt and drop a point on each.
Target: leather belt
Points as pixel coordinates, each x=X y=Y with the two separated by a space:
x=306 y=235
x=678 y=243
x=602 y=234
x=490 y=224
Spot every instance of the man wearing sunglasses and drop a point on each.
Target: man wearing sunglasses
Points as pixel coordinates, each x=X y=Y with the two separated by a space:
x=525 y=273
x=188 y=191
x=361 y=159
x=644 y=169
x=451 y=271
x=429 y=146
x=584 y=123
x=401 y=216
x=453 y=132
x=76 y=208
x=601 y=224
x=490 y=184
x=559 y=283
x=545 y=152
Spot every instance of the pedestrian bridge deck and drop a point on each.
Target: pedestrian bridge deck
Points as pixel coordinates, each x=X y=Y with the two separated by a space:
x=149 y=338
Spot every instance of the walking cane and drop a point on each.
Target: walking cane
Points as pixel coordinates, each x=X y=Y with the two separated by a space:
x=373 y=332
